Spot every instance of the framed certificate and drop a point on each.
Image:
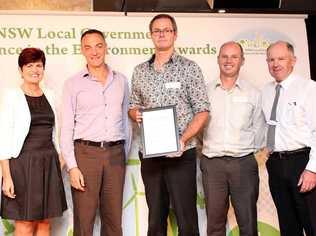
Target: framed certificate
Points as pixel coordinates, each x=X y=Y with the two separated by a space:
x=159 y=131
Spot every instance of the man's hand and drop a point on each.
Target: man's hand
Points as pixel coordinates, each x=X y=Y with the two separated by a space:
x=307 y=181
x=178 y=154
x=262 y=156
x=135 y=115
x=8 y=187
x=139 y=116
x=76 y=179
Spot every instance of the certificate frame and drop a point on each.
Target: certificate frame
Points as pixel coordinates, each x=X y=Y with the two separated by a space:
x=159 y=131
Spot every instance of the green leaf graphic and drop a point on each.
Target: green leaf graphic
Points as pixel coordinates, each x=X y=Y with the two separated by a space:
x=133 y=162
x=172 y=223
x=70 y=232
x=8 y=227
x=200 y=201
x=133 y=199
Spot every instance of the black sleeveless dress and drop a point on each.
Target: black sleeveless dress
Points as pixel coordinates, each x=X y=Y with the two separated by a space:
x=36 y=171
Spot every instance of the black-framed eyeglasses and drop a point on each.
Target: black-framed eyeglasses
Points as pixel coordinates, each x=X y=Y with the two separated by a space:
x=157 y=32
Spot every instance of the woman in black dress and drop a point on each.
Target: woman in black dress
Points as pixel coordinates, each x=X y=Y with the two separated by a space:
x=32 y=186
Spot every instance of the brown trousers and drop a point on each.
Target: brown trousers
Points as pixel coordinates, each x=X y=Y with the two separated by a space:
x=103 y=170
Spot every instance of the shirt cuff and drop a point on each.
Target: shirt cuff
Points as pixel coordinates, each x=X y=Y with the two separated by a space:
x=311 y=165
x=71 y=164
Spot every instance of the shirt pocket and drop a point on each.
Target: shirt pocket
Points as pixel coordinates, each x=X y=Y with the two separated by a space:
x=294 y=114
x=242 y=110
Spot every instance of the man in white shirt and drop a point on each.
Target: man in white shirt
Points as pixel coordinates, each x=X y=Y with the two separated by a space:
x=233 y=134
x=291 y=141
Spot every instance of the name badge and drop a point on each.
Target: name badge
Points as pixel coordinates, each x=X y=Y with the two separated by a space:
x=175 y=85
x=240 y=99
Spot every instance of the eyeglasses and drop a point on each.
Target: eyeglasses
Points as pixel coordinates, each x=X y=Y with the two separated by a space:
x=157 y=32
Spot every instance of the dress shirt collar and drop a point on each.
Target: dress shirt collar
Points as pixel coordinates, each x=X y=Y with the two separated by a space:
x=85 y=74
x=285 y=84
x=171 y=59
x=239 y=84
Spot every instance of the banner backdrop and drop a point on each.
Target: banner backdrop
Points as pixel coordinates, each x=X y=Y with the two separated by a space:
x=199 y=38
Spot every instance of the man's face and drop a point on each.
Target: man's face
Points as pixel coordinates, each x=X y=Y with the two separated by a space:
x=163 y=34
x=230 y=60
x=93 y=47
x=280 y=61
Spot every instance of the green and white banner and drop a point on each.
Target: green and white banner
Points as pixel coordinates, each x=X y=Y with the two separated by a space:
x=199 y=38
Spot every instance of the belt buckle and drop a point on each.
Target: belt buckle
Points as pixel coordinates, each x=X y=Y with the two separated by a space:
x=282 y=155
x=102 y=144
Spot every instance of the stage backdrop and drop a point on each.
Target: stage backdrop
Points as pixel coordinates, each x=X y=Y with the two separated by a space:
x=199 y=38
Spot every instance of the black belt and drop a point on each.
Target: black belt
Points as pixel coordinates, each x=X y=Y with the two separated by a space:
x=102 y=144
x=283 y=155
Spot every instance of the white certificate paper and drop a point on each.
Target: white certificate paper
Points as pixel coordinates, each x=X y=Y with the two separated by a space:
x=159 y=131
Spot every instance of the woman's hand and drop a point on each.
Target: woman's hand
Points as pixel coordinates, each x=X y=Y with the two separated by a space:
x=8 y=187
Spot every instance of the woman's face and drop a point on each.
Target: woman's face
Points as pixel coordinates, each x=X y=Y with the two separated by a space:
x=32 y=72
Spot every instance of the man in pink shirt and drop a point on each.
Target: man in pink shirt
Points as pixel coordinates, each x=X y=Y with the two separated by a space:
x=95 y=137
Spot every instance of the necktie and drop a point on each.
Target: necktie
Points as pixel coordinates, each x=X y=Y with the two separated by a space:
x=271 y=127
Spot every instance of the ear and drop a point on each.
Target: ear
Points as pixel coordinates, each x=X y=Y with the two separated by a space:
x=242 y=61
x=175 y=35
x=20 y=70
x=293 y=61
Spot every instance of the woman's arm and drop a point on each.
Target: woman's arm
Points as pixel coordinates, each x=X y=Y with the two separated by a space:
x=7 y=184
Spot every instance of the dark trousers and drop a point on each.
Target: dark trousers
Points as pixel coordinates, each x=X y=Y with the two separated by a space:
x=296 y=211
x=104 y=172
x=171 y=180
x=238 y=179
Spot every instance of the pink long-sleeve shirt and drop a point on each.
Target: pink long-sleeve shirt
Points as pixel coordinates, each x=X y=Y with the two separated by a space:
x=94 y=112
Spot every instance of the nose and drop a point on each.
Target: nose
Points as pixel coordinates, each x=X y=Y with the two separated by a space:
x=34 y=69
x=161 y=34
x=94 y=51
x=229 y=59
x=275 y=63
